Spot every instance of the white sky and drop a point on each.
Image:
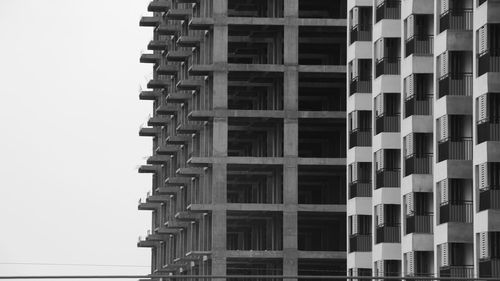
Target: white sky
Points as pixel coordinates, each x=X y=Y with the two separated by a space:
x=69 y=145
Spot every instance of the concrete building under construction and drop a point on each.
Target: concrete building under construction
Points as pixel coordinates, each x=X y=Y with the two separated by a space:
x=249 y=137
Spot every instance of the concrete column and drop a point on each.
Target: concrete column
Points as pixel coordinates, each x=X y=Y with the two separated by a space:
x=219 y=220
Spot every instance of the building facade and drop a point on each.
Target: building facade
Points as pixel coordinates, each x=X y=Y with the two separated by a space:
x=249 y=137
x=423 y=138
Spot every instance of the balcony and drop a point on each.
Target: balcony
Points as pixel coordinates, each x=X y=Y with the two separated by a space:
x=189 y=84
x=167 y=29
x=419 y=45
x=488 y=130
x=360 y=243
x=158 y=121
x=167 y=69
x=390 y=9
x=455 y=149
x=415 y=105
x=361 y=32
x=178 y=97
x=419 y=224
x=457 y=271
x=387 y=233
x=489 y=198
x=459 y=211
x=150 y=21
x=388 y=66
x=159 y=6
x=147 y=169
x=150 y=58
x=178 y=14
x=455 y=84
x=360 y=189
x=456 y=19
x=189 y=41
x=387 y=124
x=148 y=132
x=158 y=84
x=168 y=150
x=360 y=137
x=167 y=109
x=150 y=95
x=360 y=86
x=418 y=164
x=388 y=178
x=181 y=55
x=489 y=267
x=157 y=45
x=488 y=61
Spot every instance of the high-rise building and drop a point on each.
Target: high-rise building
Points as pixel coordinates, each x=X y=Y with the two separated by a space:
x=249 y=137
x=424 y=138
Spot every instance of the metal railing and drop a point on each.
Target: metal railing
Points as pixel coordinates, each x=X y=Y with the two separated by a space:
x=360 y=137
x=415 y=105
x=455 y=149
x=488 y=61
x=489 y=267
x=360 y=243
x=455 y=84
x=489 y=198
x=360 y=86
x=488 y=130
x=361 y=32
x=456 y=19
x=388 y=178
x=360 y=189
x=419 y=45
x=388 y=66
x=461 y=211
x=457 y=271
x=387 y=233
x=387 y=124
x=390 y=9
x=418 y=164
x=419 y=224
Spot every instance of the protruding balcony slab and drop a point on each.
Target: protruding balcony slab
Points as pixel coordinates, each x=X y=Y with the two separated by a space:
x=147 y=169
x=190 y=172
x=167 y=29
x=178 y=14
x=165 y=230
x=147 y=206
x=177 y=224
x=201 y=69
x=182 y=139
x=199 y=161
x=180 y=55
x=150 y=21
x=167 y=109
x=158 y=121
x=187 y=216
x=159 y=6
x=158 y=84
x=157 y=45
x=200 y=115
x=201 y=23
x=158 y=159
x=189 y=41
x=179 y=97
x=148 y=132
x=167 y=69
x=176 y=181
x=147 y=244
x=168 y=190
x=149 y=95
x=150 y=58
x=189 y=84
x=168 y=150
x=157 y=198
x=157 y=237
x=188 y=128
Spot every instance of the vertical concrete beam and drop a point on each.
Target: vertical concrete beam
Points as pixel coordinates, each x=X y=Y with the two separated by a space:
x=219 y=219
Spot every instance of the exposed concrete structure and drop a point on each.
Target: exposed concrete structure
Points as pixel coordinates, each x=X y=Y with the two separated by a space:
x=435 y=209
x=249 y=137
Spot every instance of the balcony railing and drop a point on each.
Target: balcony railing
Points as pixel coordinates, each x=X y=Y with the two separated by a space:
x=388 y=233
x=387 y=124
x=457 y=271
x=418 y=164
x=488 y=61
x=419 y=45
x=419 y=224
x=456 y=19
x=360 y=243
x=418 y=105
x=488 y=130
x=456 y=212
x=388 y=66
x=489 y=267
x=390 y=9
x=361 y=32
x=360 y=189
x=387 y=178
x=360 y=137
x=360 y=86
x=489 y=198
x=455 y=84
x=456 y=149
